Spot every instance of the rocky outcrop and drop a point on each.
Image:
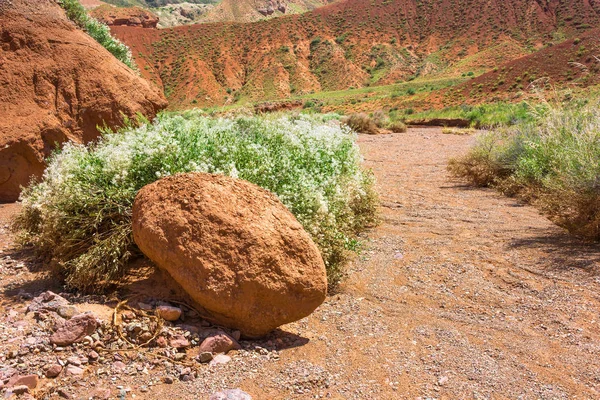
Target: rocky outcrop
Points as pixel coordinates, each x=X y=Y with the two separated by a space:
x=233 y=247
x=56 y=84
x=130 y=16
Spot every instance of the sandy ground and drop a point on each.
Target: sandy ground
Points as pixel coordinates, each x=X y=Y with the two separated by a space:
x=458 y=293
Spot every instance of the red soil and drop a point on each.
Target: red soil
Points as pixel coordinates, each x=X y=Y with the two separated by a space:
x=57 y=84
x=131 y=16
x=573 y=63
x=347 y=44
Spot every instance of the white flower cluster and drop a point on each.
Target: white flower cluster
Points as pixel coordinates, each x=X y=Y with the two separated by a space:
x=313 y=166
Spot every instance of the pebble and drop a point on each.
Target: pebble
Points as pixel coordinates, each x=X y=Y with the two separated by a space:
x=220 y=359
x=53 y=370
x=74 y=361
x=179 y=342
x=74 y=370
x=219 y=343
x=168 y=379
x=67 y=312
x=169 y=313
x=205 y=357
x=31 y=381
x=93 y=355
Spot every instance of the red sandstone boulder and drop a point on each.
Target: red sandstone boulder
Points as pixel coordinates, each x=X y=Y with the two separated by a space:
x=57 y=84
x=233 y=247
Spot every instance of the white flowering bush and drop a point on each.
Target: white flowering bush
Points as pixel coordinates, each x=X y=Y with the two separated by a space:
x=79 y=214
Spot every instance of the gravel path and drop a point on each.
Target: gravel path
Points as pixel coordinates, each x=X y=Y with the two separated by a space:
x=459 y=293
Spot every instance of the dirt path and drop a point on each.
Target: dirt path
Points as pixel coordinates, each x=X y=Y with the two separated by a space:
x=459 y=293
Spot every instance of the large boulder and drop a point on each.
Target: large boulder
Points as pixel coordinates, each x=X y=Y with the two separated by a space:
x=233 y=247
x=57 y=84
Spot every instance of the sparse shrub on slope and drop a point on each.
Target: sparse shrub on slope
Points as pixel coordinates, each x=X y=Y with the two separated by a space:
x=80 y=212
x=97 y=30
x=553 y=162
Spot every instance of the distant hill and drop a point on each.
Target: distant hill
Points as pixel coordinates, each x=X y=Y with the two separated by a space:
x=575 y=63
x=185 y=12
x=352 y=43
x=255 y=10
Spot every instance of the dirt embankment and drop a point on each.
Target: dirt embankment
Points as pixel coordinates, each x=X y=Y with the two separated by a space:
x=57 y=84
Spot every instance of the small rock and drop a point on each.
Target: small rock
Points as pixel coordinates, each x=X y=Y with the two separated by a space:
x=127 y=315
x=231 y=394
x=101 y=393
x=168 y=379
x=52 y=371
x=443 y=380
x=31 y=381
x=74 y=330
x=169 y=313
x=47 y=301
x=220 y=359
x=63 y=393
x=74 y=361
x=205 y=357
x=162 y=342
x=179 y=342
x=186 y=378
x=93 y=356
x=219 y=343
x=74 y=370
x=118 y=367
x=67 y=312
x=145 y=337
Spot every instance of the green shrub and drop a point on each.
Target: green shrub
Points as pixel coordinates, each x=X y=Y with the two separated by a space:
x=79 y=214
x=553 y=161
x=98 y=31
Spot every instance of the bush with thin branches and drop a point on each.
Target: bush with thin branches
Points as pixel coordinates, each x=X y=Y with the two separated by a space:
x=79 y=214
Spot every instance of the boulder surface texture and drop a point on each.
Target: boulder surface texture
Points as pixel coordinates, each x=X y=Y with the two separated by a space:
x=233 y=247
x=57 y=84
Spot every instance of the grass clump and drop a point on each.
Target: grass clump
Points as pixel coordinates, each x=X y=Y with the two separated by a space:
x=448 y=130
x=79 y=214
x=361 y=123
x=484 y=115
x=379 y=122
x=552 y=161
x=98 y=31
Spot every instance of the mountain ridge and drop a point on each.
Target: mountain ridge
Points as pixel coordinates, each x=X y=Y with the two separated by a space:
x=353 y=43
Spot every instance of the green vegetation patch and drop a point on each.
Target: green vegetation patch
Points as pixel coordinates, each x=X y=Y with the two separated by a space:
x=98 y=31
x=79 y=214
x=552 y=161
x=484 y=115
